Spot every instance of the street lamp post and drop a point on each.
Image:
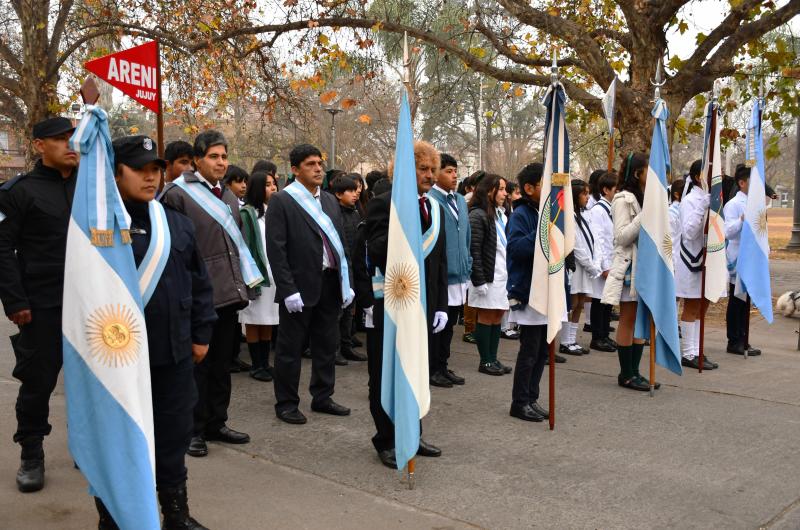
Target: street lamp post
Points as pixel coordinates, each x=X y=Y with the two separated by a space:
x=794 y=242
x=333 y=111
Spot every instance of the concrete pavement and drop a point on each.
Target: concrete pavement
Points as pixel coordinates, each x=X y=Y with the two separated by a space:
x=712 y=450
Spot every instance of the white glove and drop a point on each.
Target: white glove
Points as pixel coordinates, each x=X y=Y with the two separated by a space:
x=294 y=304
x=482 y=290
x=439 y=321
x=368 y=323
x=349 y=300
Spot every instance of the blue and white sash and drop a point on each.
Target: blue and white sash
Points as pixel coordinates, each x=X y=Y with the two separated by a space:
x=378 y=282
x=313 y=208
x=155 y=260
x=221 y=213
x=501 y=227
x=431 y=235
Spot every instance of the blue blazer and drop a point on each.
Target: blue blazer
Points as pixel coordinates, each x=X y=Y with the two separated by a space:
x=458 y=232
x=521 y=237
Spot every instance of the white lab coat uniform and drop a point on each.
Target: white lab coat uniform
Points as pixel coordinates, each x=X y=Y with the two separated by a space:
x=688 y=269
x=675 y=231
x=587 y=258
x=599 y=218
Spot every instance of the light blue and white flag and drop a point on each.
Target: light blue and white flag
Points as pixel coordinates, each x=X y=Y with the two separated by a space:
x=716 y=264
x=106 y=360
x=608 y=102
x=405 y=391
x=555 y=235
x=655 y=280
x=752 y=266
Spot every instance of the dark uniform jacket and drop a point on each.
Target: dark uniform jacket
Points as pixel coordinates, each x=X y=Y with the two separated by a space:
x=350 y=221
x=214 y=244
x=294 y=246
x=181 y=310
x=521 y=247
x=483 y=246
x=33 y=238
x=435 y=264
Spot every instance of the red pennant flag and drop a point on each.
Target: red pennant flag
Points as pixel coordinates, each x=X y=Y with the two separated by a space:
x=134 y=71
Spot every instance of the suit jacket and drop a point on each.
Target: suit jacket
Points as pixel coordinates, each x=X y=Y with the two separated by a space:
x=294 y=246
x=377 y=226
x=220 y=254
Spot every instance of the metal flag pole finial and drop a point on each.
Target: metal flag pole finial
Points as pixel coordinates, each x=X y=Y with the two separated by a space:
x=406 y=61
x=659 y=81
x=554 y=68
x=715 y=90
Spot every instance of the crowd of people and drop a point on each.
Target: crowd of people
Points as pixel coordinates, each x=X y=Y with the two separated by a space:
x=316 y=245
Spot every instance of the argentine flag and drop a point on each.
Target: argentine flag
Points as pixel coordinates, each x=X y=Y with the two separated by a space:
x=716 y=263
x=655 y=278
x=405 y=394
x=752 y=266
x=555 y=235
x=106 y=361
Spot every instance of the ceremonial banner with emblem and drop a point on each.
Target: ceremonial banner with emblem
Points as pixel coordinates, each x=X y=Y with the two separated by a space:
x=555 y=236
x=716 y=263
x=752 y=266
x=655 y=280
x=106 y=360
x=405 y=390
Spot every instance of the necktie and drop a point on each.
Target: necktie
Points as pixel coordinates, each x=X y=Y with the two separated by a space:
x=451 y=200
x=423 y=211
x=217 y=191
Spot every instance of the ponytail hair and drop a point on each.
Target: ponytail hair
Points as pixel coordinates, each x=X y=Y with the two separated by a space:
x=630 y=174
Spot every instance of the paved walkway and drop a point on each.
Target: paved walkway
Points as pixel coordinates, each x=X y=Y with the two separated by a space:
x=712 y=450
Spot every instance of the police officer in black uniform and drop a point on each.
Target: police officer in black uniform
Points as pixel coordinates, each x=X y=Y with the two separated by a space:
x=34 y=216
x=179 y=317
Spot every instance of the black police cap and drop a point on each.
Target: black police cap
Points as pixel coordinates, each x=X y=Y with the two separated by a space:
x=136 y=151
x=52 y=127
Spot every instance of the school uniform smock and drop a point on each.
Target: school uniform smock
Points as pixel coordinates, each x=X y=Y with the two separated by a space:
x=675 y=231
x=496 y=297
x=599 y=217
x=263 y=311
x=733 y=212
x=621 y=282
x=689 y=266
x=587 y=258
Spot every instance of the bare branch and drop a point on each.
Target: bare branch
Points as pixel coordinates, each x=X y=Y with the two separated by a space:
x=12 y=85
x=508 y=52
x=64 y=9
x=11 y=109
x=55 y=66
x=10 y=57
x=623 y=38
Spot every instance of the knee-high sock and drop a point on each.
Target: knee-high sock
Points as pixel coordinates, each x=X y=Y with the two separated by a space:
x=636 y=357
x=587 y=310
x=696 y=336
x=573 y=332
x=482 y=336
x=256 y=354
x=494 y=345
x=687 y=340
x=265 y=352
x=624 y=354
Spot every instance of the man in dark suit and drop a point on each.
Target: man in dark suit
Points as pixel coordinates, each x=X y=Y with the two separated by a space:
x=312 y=282
x=377 y=234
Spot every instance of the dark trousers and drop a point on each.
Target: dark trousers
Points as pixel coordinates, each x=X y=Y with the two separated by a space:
x=600 y=315
x=346 y=330
x=174 y=397
x=439 y=352
x=384 y=435
x=213 y=377
x=39 y=355
x=530 y=364
x=736 y=318
x=320 y=325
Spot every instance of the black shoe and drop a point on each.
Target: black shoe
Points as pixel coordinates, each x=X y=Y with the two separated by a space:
x=331 y=407
x=736 y=348
x=511 y=334
x=340 y=360
x=261 y=374
x=455 y=379
x=354 y=356
x=175 y=507
x=539 y=410
x=753 y=352
x=691 y=363
x=611 y=329
x=602 y=345
x=587 y=328
x=238 y=365
x=356 y=342
x=644 y=380
x=469 y=338
x=559 y=359
x=106 y=521
x=426 y=449
x=30 y=475
x=525 y=412
x=570 y=349
x=306 y=353
x=440 y=380
x=294 y=416
x=388 y=458
x=708 y=364
x=614 y=315
x=634 y=383
x=490 y=369
x=227 y=435
x=611 y=341
x=506 y=369
x=197 y=447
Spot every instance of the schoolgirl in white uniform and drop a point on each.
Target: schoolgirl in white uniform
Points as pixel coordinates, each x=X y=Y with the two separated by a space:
x=600 y=220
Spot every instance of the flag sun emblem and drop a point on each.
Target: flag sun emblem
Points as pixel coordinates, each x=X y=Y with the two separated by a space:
x=761 y=223
x=114 y=337
x=402 y=285
x=666 y=246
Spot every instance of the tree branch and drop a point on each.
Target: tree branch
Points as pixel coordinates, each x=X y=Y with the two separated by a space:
x=667 y=10
x=10 y=108
x=623 y=38
x=508 y=52
x=12 y=85
x=64 y=9
x=10 y=57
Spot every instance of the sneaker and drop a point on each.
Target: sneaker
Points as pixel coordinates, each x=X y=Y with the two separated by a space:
x=511 y=334
x=469 y=338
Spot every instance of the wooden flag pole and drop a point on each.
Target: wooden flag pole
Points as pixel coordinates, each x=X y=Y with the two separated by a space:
x=160 y=115
x=552 y=408
x=611 y=152
x=746 y=327
x=712 y=139
x=652 y=356
x=411 y=468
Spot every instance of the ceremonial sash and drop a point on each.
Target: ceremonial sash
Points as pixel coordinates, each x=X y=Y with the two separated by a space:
x=501 y=228
x=155 y=260
x=587 y=233
x=431 y=235
x=605 y=206
x=221 y=213
x=313 y=208
x=377 y=285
